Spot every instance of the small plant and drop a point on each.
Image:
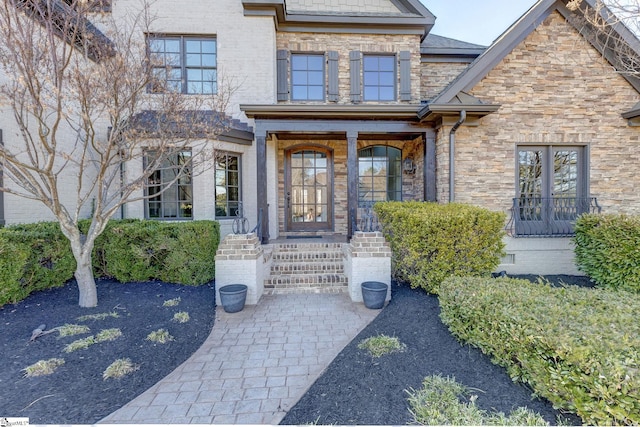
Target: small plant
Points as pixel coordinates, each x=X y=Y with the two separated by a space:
x=43 y=367
x=108 y=334
x=119 y=369
x=99 y=316
x=443 y=401
x=382 y=344
x=172 y=302
x=69 y=330
x=160 y=336
x=80 y=344
x=181 y=317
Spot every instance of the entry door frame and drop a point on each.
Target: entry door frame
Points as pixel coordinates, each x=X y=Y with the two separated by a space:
x=289 y=224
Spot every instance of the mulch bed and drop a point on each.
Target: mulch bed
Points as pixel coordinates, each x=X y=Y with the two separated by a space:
x=76 y=393
x=358 y=389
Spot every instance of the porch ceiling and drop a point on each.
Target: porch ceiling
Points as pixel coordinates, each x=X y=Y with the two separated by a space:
x=363 y=136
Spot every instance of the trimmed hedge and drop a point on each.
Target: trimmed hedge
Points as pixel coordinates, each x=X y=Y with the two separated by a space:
x=607 y=250
x=169 y=251
x=33 y=257
x=431 y=241
x=577 y=347
x=37 y=256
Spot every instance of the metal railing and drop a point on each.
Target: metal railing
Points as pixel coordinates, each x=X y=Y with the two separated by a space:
x=548 y=216
x=241 y=223
x=364 y=218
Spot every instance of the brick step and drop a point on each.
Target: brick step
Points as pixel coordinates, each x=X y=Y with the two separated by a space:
x=306 y=283
x=307 y=256
x=307 y=268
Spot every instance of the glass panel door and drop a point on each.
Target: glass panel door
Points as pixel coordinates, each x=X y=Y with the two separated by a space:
x=308 y=190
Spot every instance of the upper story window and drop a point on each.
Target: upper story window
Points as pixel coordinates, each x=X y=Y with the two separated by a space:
x=168 y=189
x=184 y=64
x=307 y=77
x=379 y=82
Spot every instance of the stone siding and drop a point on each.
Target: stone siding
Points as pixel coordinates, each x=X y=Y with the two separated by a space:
x=366 y=43
x=435 y=76
x=554 y=88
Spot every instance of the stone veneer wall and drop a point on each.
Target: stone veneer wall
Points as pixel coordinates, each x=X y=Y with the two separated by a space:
x=412 y=184
x=240 y=259
x=367 y=259
x=554 y=88
x=435 y=76
x=345 y=43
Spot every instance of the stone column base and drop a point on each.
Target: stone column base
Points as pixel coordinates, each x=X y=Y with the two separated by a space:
x=367 y=259
x=240 y=259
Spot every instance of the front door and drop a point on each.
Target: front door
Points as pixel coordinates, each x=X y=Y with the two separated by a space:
x=308 y=189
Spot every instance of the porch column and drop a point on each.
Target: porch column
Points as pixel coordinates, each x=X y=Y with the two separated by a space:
x=261 y=187
x=352 y=179
x=430 y=166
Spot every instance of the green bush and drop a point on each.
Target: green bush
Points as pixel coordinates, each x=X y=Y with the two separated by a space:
x=33 y=257
x=606 y=248
x=431 y=242
x=577 y=347
x=180 y=252
x=38 y=256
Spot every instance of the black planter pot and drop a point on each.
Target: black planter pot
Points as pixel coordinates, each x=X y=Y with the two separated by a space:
x=232 y=297
x=374 y=294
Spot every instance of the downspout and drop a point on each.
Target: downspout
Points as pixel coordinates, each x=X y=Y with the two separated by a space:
x=452 y=146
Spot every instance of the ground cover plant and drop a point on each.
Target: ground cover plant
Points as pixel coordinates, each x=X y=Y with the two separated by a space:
x=381 y=344
x=443 y=401
x=577 y=347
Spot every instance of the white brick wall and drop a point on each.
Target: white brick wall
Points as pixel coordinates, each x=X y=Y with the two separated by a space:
x=539 y=256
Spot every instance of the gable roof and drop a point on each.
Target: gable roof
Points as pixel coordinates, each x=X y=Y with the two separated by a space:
x=513 y=36
x=400 y=17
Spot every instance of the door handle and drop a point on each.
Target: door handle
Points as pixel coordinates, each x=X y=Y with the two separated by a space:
x=289 y=200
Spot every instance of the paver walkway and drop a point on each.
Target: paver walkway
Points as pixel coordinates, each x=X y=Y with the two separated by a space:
x=255 y=365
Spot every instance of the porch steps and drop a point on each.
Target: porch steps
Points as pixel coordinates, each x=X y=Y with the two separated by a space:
x=306 y=268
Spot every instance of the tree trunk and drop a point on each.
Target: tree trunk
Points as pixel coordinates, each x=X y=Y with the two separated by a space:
x=86 y=282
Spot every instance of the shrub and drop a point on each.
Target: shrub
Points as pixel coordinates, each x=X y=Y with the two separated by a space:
x=607 y=250
x=43 y=367
x=577 y=347
x=179 y=252
x=33 y=257
x=381 y=344
x=431 y=241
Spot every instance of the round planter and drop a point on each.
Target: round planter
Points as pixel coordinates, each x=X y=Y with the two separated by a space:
x=374 y=294
x=232 y=297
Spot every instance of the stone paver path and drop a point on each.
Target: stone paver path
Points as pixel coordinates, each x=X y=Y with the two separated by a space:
x=255 y=365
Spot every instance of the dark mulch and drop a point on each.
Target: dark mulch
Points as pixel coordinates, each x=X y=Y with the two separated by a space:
x=355 y=389
x=358 y=389
x=76 y=392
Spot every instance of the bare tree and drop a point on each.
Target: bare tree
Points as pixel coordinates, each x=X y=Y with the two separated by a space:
x=83 y=109
x=613 y=27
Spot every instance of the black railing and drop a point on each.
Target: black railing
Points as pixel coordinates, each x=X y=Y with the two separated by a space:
x=258 y=228
x=548 y=216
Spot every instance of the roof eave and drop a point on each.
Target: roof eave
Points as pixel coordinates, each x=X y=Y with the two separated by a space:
x=433 y=112
x=418 y=21
x=353 y=112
